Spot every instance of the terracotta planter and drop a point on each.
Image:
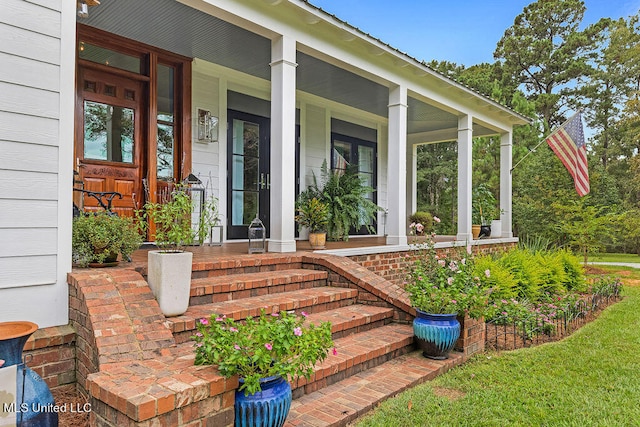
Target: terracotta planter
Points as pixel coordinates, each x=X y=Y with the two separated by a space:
x=169 y=278
x=317 y=240
x=475 y=231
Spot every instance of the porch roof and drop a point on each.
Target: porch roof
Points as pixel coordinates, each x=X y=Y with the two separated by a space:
x=235 y=42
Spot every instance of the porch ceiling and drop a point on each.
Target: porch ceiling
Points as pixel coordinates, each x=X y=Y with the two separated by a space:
x=172 y=26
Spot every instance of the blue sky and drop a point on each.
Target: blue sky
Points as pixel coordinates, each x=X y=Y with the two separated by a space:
x=464 y=32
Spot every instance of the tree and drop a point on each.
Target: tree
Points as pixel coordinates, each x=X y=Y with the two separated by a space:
x=609 y=85
x=546 y=52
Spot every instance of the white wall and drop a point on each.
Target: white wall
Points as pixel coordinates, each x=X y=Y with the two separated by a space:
x=37 y=45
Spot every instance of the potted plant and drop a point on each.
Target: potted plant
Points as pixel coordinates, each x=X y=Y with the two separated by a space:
x=314 y=215
x=441 y=289
x=264 y=351
x=484 y=210
x=169 y=268
x=98 y=239
x=347 y=198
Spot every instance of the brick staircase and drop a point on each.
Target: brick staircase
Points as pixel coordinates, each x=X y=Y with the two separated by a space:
x=158 y=384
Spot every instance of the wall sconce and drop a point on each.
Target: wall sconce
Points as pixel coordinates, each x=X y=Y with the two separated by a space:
x=83 y=9
x=207 y=126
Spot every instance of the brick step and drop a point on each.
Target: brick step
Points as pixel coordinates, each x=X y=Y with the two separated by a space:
x=242 y=264
x=353 y=319
x=357 y=353
x=236 y=286
x=343 y=402
x=312 y=300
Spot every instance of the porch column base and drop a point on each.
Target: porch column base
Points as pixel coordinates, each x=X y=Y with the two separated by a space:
x=282 y=245
x=397 y=240
x=464 y=237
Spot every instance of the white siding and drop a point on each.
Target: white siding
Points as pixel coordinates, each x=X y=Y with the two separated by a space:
x=315 y=143
x=206 y=156
x=36 y=137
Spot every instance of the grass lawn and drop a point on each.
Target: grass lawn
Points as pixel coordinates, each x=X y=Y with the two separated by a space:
x=591 y=378
x=614 y=258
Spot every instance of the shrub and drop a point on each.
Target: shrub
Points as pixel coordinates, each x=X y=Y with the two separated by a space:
x=424 y=218
x=496 y=278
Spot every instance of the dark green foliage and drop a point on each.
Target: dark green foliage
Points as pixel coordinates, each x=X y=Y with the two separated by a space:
x=345 y=195
x=424 y=218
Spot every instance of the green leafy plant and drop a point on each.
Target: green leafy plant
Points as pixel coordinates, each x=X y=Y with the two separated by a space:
x=313 y=214
x=101 y=236
x=446 y=285
x=423 y=218
x=172 y=216
x=484 y=205
x=345 y=194
x=262 y=346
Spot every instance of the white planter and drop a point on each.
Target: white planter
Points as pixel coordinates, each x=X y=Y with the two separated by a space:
x=496 y=228
x=169 y=277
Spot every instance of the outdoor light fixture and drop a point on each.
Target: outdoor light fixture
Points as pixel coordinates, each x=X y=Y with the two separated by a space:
x=257 y=236
x=83 y=9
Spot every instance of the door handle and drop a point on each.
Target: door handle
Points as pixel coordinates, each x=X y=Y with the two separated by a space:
x=261 y=183
x=268 y=181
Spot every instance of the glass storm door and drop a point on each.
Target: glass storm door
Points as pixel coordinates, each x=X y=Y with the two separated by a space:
x=248 y=172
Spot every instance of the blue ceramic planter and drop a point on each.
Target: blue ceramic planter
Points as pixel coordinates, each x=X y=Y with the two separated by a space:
x=266 y=408
x=34 y=402
x=436 y=334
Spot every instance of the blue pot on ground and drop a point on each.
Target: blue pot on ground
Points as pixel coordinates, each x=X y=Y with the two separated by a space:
x=436 y=334
x=266 y=408
x=34 y=402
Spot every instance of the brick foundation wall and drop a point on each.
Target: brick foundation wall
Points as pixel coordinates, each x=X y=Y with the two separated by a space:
x=393 y=266
x=472 y=336
x=51 y=353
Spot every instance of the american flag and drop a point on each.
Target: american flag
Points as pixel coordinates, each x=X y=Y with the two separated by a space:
x=568 y=143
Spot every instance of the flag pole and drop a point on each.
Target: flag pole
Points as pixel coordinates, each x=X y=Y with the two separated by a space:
x=544 y=140
x=526 y=155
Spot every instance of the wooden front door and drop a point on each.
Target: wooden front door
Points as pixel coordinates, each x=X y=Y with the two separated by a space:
x=110 y=138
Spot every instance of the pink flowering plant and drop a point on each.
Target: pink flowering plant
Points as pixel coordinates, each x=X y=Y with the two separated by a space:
x=267 y=345
x=446 y=284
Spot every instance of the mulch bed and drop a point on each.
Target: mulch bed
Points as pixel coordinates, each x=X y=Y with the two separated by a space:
x=73 y=402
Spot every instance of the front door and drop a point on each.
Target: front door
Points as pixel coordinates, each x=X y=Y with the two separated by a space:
x=248 y=181
x=109 y=141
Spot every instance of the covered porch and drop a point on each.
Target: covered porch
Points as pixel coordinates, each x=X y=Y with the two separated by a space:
x=309 y=88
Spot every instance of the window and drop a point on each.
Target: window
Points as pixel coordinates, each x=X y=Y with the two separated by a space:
x=346 y=151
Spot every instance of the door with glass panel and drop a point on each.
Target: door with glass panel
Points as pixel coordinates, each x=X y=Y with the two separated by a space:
x=347 y=151
x=248 y=177
x=108 y=150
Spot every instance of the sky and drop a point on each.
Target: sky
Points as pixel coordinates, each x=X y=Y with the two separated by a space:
x=462 y=31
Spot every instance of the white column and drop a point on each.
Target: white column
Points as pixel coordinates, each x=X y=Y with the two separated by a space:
x=465 y=136
x=283 y=124
x=412 y=179
x=506 y=197
x=397 y=167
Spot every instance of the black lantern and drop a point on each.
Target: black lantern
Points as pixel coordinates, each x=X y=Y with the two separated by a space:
x=257 y=237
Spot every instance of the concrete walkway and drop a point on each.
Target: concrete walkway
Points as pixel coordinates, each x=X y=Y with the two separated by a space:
x=622 y=264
